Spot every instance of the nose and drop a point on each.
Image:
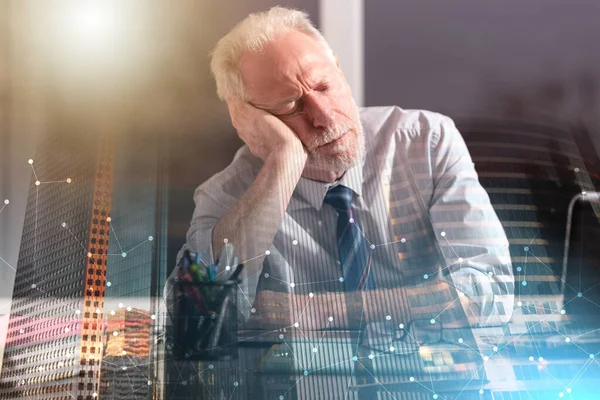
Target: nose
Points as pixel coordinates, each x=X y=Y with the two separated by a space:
x=319 y=110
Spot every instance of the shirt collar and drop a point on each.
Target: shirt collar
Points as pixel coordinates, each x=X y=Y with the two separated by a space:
x=313 y=192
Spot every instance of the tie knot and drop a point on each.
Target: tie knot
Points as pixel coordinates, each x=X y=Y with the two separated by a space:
x=340 y=198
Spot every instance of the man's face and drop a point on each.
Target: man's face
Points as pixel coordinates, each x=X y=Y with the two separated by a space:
x=294 y=79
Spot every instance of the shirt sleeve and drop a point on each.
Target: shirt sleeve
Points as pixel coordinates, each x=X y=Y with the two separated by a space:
x=213 y=199
x=207 y=213
x=470 y=235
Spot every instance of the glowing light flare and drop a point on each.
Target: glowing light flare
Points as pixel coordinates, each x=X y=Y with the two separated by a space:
x=91 y=38
x=89 y=23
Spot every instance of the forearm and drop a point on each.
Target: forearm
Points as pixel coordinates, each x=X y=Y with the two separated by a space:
x=352 y=309
x=378 y=305
x=356 y=309
x=319 y=310
x=276 y=310
x=251 y=224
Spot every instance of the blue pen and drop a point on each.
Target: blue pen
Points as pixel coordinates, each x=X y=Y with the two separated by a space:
x=186 y=260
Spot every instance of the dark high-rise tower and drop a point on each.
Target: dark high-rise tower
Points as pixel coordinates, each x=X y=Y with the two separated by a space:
x=55 y=320
x=91 y=252
x=136 y=271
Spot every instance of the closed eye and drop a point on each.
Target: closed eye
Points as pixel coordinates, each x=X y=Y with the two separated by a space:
x=291 y=109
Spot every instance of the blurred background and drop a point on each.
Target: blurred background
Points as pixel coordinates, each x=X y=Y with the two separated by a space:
x=117 y=97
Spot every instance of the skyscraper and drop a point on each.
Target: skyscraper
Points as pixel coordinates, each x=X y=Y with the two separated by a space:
x=54 y=334
x=67 y=270
x=531 y=172
x=136 y=271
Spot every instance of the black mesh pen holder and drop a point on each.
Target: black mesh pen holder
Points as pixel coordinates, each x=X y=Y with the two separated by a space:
x=203 y=319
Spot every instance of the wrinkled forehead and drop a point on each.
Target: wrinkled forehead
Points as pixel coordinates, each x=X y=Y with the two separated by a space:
x=285 y=67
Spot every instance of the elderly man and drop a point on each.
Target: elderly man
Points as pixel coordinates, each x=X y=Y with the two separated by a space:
x=342 y=215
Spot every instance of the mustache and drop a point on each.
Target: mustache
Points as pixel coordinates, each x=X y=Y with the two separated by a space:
x=329 y=134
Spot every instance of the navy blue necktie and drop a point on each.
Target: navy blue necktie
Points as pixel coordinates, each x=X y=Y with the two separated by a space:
x=354 y=250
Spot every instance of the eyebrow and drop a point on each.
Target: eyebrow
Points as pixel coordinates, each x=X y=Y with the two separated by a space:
x=289 y=99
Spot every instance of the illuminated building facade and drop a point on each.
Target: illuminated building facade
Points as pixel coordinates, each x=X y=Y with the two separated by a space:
x=132 y=363
x=531 y=172
x=54 y=339
x=126 y=366
x=91 y=241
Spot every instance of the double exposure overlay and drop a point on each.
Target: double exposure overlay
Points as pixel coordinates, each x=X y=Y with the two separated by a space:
x=299 y=200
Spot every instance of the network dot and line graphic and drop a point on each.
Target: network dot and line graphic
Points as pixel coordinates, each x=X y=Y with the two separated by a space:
x=42 y=289
x=494 y=349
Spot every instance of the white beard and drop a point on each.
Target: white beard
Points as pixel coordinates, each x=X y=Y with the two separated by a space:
x=339 y=162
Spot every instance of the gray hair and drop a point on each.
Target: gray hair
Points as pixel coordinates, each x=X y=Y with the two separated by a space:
x=253 y=34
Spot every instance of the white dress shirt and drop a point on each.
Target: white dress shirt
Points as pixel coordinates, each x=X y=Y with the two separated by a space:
x=419 y=203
